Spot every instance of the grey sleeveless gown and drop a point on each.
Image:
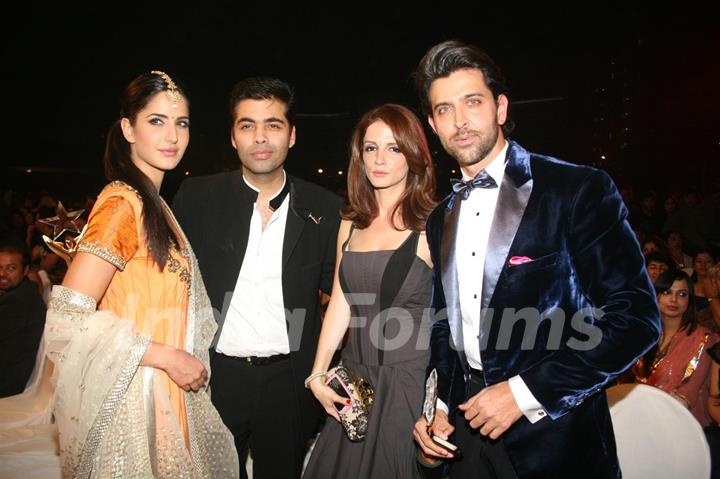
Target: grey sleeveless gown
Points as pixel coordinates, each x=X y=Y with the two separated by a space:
x=396 y=370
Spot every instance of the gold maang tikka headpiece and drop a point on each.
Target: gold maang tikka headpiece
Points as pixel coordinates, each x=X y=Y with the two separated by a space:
x=172 y=92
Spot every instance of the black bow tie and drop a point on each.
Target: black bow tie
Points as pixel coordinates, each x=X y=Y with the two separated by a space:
x=481 y=180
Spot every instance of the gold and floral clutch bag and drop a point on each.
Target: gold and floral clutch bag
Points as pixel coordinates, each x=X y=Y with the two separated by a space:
x=353 y=416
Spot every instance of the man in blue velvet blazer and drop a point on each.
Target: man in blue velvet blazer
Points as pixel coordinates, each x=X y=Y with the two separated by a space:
x=541 y=294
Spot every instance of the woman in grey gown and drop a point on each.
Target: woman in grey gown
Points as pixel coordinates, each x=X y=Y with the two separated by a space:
x=382 y=289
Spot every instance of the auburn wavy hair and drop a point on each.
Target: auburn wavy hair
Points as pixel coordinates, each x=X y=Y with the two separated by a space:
x=418 y=199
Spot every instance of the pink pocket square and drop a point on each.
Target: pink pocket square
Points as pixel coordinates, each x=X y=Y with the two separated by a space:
x=518 y=260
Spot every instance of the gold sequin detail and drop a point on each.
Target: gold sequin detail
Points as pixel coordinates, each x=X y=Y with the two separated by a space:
x=128 y=187
x=175 y=266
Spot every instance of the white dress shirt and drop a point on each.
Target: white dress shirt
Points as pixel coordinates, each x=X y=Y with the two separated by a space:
x=255 y=322
x=473 y=231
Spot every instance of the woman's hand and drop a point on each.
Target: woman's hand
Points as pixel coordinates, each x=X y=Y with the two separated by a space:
x=710 y=287
x=185 y=370
x=327 y=397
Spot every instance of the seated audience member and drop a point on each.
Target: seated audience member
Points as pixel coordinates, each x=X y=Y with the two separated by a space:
x=679 y=363
x=692 y=220
x=656 y=264
x=653 y=244
x=646 y=218
x=707 y=287
x=22 y=318
x=674 y=243
x=712 y=432
x=669 y=207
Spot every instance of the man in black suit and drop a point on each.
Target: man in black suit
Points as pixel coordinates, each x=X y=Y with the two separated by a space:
x=22 y=318
x=265 y=242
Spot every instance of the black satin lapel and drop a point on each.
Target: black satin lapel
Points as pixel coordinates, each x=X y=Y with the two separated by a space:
x=508 y=214
x=449 y=272
x=238 y=214
x=294 y=225
x=293 y=228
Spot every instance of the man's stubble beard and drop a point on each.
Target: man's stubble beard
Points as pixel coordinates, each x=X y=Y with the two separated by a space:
x=476 y=153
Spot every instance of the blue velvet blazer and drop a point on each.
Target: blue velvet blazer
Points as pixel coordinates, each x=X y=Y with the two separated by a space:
x=597 y=308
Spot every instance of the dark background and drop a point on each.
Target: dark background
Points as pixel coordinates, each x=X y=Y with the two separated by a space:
x=631 y=89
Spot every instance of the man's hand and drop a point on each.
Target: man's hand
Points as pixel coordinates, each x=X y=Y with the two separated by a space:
x=493 y=410
x=441 y=427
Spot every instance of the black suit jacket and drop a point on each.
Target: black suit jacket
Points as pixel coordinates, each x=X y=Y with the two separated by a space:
x=571 y=221
x=22 y=320
x=215 y=211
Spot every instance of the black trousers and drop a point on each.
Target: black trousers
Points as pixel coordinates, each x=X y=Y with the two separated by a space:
x=482 y=457
x=257 y=404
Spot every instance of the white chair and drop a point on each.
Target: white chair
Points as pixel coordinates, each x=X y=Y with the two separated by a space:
x=656 y=436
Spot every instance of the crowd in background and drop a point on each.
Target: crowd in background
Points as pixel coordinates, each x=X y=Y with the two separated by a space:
x=679 y=228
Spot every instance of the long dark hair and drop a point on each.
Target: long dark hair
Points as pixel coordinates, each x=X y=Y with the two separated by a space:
x=119 y=166
x=688 y=323
x=417 y=201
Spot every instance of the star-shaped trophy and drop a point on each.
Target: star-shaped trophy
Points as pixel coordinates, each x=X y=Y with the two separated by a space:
x=64 y=222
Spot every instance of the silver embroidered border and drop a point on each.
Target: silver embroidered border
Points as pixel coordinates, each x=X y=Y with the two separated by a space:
x=63 y=299
x=102 y=252
x=149 y=401
x=109 y=407
x=189 y=347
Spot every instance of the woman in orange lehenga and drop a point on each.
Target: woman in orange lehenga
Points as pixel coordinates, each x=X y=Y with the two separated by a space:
x=131 y=375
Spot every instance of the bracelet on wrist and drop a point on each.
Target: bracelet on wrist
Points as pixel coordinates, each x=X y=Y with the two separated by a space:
x=313 y=377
